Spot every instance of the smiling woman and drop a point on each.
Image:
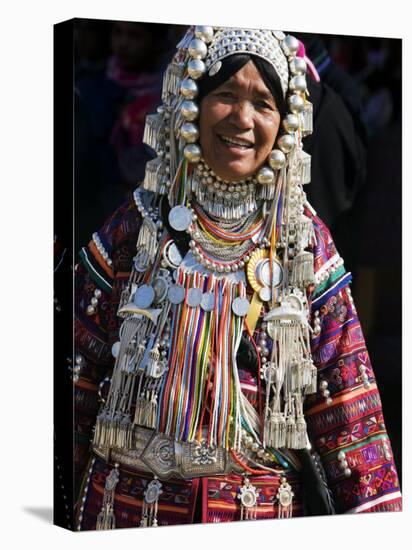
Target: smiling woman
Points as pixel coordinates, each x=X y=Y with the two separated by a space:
x=239 y=122
x=222 y=371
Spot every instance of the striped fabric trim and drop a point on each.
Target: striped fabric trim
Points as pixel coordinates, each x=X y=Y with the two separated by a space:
x=372 y=503
x=323 y=298
x=330 y=280
x=94 y=274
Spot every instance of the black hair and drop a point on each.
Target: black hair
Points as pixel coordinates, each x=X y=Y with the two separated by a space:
x=231 y=65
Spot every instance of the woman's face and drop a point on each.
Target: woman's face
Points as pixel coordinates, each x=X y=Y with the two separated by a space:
x=239 y=122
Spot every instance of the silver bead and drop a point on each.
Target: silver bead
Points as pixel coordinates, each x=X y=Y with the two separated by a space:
x=343 y=465
x=188 y=88
x=286 y=143
x=290 y=45
x=326 y=393
x=296 y=103
x=79 y=359
x=192 y=152
x=189 y=132
x=98 y=293
x=90 y=310
x=255 y=447
x=197 y=48
x=204 y=32
x=196 y=68
x=341 y=455
x=189 y=110
x=94 y=301
x=298 y=66
x=323 y=385
x=347 y=472
x=329 y=401
x=298 y=83
x=291 y=123
x=265 y=176
x=277 y=159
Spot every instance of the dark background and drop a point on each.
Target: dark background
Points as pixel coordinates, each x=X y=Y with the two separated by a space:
x=118 y=76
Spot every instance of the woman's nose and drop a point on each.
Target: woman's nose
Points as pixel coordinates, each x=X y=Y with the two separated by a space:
x=242 y=115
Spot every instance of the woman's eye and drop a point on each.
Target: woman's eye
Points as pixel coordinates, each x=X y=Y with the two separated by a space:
x=226 y=95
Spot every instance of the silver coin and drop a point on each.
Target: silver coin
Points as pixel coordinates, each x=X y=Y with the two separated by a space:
x=208 y=301
x=160 y=286
x=240 y=306
x=144 y=296
x=176 y=294
x=115 y=349
x=180 y=218
x=264 y=294
x=194 y=297
x=264 y=273
x=173 y=255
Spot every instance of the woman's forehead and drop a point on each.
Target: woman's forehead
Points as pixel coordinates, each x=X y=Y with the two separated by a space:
x=248 y=78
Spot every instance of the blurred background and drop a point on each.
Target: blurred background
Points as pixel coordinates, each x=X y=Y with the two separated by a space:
x=356 y=158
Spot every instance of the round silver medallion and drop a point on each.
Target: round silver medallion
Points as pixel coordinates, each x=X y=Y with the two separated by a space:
x=194 y=297
x=180 y=218
x=115 y=349
x=144 y=296
x=264 y=294
x=240 y=306
x=248 y=498
x=264 y=273
x=172 y=255
x=285 y=496
x=176 y=294
x=160 y=287
x=153 y=492
x=208 y=301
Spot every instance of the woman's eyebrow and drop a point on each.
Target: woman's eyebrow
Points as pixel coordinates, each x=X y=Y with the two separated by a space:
x=260 y=94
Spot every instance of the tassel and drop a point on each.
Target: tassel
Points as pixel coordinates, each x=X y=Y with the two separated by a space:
x=150 y=503
x=306 y=117
x=153 y=134
x=146 y=245
x=285 y=496
x=150 y=182
x=302 y=270
x=248 y=496
x=290 y=432
x=171 y=81
x=106 y=517
x=305 y=168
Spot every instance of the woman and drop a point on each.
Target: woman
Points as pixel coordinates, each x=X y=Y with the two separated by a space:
x=215 y=321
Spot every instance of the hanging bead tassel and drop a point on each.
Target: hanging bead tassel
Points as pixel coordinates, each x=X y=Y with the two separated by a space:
x=305 y=174
x=171 y=81
x=285 y=496
x=248 y=500
x=106 y=517
x=150 y=503
x=306 y=117
x=146 y=245
x=153 y=134
x=302 y=270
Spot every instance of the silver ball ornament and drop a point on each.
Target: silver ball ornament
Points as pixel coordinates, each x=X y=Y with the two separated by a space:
x=277 y=159
x=197 y=48
x=286 y=143
x=296 y=103
x=189 y=110
x=298 y=66
x=192 y=152
x=265 y=176
x=189 y=132
x=290 y=45
x=204 y=32
x=298 y=83
x=188 y=88
x=291 y=123
x=196 y=68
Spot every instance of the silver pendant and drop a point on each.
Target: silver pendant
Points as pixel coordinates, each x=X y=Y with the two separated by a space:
x=144 y=296
x=176 y=294
x=194 y=297
x=172 y=255
x=180 y=217
x=263 y=273
x=264 y=294
x=240 y=306
x=208 y=301
x=160 y=286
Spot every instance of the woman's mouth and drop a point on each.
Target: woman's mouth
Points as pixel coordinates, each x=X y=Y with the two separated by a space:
x=235 y=143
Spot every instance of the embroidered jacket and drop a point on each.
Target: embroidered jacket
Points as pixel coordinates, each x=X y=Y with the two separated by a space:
x=346 y=428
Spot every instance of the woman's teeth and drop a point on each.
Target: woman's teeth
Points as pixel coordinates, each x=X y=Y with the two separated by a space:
x=235 y=142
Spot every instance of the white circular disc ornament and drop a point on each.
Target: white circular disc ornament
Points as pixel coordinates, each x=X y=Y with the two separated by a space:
x=264 y=294
x=208 y=301
x=180 y=218
x=115 y=349
x=194 y=297
x=248 y=498
x=240 y=306
x=144 y=296
x=264 y=273
x=176 y=294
